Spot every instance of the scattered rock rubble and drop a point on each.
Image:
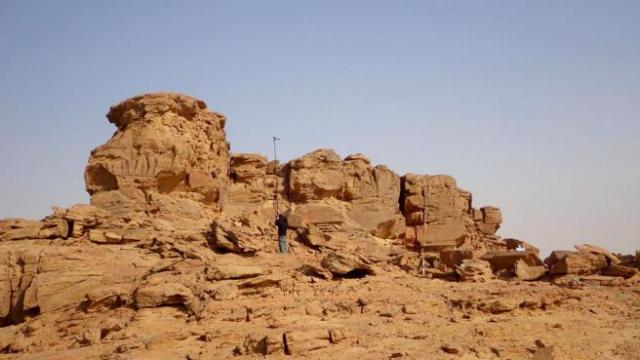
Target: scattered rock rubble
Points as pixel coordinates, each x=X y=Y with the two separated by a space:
x=175 y=257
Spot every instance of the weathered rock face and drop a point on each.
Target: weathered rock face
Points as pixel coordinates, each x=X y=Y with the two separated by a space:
x=440 y=215
x=249 y=182
x=245 y=233
x=436 y=211
x=316 y=176
x=167 y=169
x=491 y=220
x=52 y=278
x=326 y=191
x=21 y=229
x=168 y=160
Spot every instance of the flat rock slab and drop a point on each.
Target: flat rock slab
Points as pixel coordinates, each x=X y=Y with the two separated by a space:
x=225 y=272
x=506 y=260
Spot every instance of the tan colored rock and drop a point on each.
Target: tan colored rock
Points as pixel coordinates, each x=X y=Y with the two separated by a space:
x=314 y=237
x=491 y=220
x=301 y=342
x=436 y=209
x=527 y=272
x=104 y=237
x=248 y=175
x=346 y=265
x=598 y=250
x=166 y=294
x=22 y=229
x=243 y=233
x=315 y=176
x=360 y=182
x=135 y=235
x=165 y=144
x=53 y=278
x=264 y=345
x=474 y=270
x=326 y=215
x=315 y=271
x=227 y=271
x=257 y=285
x=454 y=257
x=556 y=256
x=107 y=297
x=381 y=221
x=601 y=280
x=83 y=217
x=451 y=232
x=222 y=291
x=620 y=271
x=581 y=262
x=365 y=196
x=453 y=349
x=506 y=260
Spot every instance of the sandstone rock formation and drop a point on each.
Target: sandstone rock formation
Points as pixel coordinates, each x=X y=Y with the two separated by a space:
x=439 y=215
x=165 y=168
x=175 y=258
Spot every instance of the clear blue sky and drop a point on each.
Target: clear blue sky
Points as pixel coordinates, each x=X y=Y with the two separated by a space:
x=534 y=106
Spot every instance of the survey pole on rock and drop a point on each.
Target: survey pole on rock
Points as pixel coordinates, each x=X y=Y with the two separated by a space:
x=277 y=169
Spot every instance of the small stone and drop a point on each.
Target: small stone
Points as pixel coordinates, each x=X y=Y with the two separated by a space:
x=495 y=351
x=450 y=349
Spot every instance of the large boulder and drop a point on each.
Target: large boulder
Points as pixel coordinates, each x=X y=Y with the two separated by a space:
x=436 y=210
x=315 y=176
x=347 y=265
x=169 y=157
x=491 y=220
x=579 y=263
x=526 y=272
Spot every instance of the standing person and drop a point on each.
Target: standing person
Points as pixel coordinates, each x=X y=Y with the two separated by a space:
x=281 y=223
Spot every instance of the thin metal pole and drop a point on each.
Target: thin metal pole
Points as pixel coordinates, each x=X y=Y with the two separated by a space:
x=275 y=156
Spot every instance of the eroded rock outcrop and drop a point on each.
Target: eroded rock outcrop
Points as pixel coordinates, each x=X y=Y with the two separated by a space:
x=167 y=165
x=440 y=215
x=357 y=193
x=175 y=257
